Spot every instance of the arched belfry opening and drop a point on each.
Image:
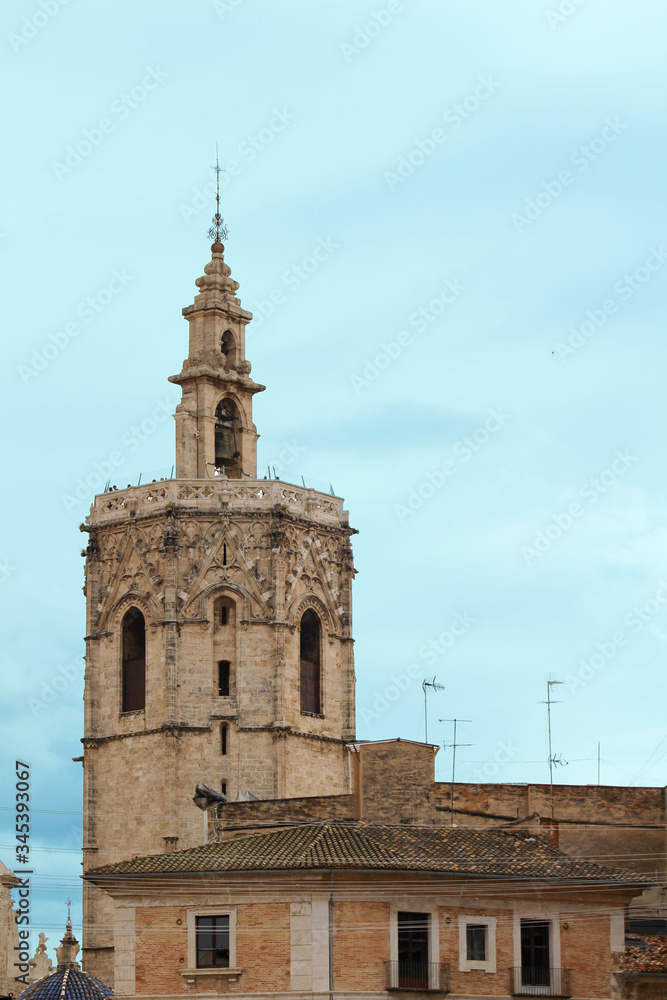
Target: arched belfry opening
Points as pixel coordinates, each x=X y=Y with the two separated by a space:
x=134 y=661
x=228 y=350
x=228 y=458
x=310 y=656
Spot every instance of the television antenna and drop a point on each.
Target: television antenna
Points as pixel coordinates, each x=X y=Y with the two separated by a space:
x=554 y=761
x=433 y=684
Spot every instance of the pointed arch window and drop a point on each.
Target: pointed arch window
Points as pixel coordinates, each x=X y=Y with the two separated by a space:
x=134 y=661
x=310 y=656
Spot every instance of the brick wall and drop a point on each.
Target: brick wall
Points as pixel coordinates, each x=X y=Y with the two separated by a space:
x=361 y=945
x=161 y=950
x=268 y=939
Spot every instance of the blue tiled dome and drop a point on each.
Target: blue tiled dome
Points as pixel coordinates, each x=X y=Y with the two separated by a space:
x=69 y=984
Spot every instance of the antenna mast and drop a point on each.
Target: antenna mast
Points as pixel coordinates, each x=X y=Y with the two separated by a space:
x=454 y=745
x=553 y=761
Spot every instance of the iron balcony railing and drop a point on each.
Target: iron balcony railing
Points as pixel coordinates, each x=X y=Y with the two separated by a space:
x=540 y=982
x=418 y=977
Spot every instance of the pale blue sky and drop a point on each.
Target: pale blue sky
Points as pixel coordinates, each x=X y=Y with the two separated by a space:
x=533 y=154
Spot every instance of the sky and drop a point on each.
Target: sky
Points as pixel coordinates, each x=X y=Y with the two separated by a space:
x=475 y=362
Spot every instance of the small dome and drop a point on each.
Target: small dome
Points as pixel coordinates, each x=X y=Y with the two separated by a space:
x=70 y=984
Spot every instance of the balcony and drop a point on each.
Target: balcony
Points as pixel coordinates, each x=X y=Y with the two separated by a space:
x=534 y=982
x=418 y=977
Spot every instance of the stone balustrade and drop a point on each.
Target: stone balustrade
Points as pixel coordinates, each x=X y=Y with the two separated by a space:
x=218 y=494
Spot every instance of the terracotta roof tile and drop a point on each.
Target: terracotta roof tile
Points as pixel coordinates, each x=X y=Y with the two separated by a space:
x=357 y=846
x=650 y=956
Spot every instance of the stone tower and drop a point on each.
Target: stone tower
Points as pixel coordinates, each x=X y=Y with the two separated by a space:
x=219 y=644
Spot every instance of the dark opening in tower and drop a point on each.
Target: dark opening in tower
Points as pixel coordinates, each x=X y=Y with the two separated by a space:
x=228 y=441
x=310 y=639
x=134 y=661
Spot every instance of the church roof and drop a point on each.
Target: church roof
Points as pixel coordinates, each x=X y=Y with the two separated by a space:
x=458 y=850
x=68 y=984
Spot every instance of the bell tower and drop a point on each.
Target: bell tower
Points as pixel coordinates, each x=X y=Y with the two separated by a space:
x=215 y=434
x=219 y=624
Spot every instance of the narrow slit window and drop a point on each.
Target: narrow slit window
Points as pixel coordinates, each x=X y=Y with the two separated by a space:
x=224 y=670
x=223 y=739
x=224 y=558
x=223 y=787
x=224 y=614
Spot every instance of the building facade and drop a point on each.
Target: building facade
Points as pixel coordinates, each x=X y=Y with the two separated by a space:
x=356 y=910
x=219 y=624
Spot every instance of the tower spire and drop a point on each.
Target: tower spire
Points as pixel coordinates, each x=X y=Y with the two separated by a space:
x=218 y=231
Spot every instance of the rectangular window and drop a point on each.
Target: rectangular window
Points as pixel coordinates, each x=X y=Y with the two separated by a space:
x=212 y=942
x=224 y=669
x=476 y=942
x=223 y=739
x=224 y=615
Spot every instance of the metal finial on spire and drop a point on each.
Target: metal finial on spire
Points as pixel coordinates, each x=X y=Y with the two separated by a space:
x=218 y=231
x=68 y=904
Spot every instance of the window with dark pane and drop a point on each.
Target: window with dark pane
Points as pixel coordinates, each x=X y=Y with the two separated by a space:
x=413 y=934
x=476 y=942
x=310 y=640
x=134 y=661
x=212 y=942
